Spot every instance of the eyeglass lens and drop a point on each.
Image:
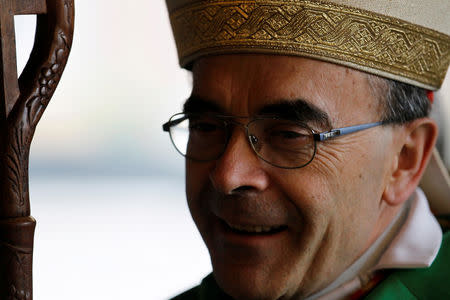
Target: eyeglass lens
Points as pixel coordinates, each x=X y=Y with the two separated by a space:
x=282 y=143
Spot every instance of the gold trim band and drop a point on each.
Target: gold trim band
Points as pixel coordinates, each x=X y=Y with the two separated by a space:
x=356 y=38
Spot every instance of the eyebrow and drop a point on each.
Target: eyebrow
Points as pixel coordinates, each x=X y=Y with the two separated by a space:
x=296 y=110
x=196 y=104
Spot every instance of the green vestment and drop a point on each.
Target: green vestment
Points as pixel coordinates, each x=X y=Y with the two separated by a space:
x=425 y=283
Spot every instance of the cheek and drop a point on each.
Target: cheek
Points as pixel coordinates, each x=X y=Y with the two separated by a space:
x=354 y=167
x=198 y=193
x=197 y=175
x=353 y=175
x=343 y=183
x=310 y=196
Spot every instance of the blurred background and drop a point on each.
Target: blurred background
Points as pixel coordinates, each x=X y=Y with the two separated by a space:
x=107 y=187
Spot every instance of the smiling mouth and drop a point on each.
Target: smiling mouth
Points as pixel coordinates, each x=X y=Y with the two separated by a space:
x=254 y=229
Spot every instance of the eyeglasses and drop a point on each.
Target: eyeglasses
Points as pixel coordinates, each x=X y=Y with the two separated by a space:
x=282 y=143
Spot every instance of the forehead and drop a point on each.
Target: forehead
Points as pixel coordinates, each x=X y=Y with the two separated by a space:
x=243 y=84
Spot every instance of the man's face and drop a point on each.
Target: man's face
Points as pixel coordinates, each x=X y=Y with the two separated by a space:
x=320 y=217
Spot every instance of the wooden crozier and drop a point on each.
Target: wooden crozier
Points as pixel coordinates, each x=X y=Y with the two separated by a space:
x=22 y=103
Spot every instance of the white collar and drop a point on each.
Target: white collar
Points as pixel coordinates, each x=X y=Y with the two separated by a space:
x=418 y=241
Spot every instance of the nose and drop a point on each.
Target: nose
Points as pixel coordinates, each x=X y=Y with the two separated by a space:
x=239 y=169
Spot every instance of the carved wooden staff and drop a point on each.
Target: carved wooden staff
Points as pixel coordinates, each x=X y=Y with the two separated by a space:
x=22 y=103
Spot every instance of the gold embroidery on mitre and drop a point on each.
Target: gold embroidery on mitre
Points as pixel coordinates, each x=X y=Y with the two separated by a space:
x=360 y=39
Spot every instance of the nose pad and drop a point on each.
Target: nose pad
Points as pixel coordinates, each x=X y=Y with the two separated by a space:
x=254 y=142
x=239 y=168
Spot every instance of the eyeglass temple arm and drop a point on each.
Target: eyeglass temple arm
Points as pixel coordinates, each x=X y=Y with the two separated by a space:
x=166 y=126
x=344 y=130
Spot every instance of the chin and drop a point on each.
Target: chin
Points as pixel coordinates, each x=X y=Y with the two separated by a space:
x=242 y=289
x=248 y=282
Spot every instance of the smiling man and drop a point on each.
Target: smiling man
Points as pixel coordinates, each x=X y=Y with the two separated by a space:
x=306 y=136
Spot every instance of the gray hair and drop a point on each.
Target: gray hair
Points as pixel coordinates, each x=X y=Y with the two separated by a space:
x=401 y=102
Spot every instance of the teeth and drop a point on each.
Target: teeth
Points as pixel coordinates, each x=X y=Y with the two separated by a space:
x=253 y=229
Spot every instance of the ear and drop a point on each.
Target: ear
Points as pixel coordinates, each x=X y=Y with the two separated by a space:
x=415 y=149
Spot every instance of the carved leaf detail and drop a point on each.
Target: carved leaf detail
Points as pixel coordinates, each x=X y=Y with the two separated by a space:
x=48 y=80
x=28 y=115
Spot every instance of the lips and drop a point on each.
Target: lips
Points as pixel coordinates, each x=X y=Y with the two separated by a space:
x=249 y=216
x=254 y=229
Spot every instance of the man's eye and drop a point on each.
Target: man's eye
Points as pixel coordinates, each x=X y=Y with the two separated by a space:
x=203 y=127
x=285 y=134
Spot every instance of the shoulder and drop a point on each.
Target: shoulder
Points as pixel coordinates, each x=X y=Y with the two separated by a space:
x=426 y=283
x=208 y=289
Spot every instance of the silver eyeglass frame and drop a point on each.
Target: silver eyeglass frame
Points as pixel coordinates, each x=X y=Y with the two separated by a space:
x=317 y=136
